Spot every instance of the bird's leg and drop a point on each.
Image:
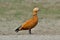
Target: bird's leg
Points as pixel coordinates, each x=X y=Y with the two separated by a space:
x=29 y=31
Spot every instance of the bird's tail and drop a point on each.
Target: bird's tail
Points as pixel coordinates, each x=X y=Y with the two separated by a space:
x=17 y=30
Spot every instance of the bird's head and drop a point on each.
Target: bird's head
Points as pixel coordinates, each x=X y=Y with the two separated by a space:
x=35 y=10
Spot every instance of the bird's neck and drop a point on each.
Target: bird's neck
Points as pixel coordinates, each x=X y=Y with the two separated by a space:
x=35 y=18
x=35 y=15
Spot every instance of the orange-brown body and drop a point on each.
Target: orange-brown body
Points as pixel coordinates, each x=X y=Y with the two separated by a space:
x=31 y=23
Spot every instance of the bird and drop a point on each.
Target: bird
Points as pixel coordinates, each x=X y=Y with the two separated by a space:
x=31 y=23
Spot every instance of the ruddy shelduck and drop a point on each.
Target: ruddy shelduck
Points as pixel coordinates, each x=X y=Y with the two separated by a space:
x=31 y=23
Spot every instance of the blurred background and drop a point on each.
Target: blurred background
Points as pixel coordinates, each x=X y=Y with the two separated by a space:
x=15 y=12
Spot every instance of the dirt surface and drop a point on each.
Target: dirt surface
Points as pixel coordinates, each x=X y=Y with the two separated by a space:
x=30 y=37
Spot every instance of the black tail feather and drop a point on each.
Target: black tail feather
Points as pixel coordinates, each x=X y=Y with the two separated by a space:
x=17 y=29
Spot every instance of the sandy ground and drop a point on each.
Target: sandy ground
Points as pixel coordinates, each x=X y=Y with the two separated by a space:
x=30 y=37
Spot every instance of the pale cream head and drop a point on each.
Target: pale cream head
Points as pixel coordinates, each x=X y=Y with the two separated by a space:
x=36 y=9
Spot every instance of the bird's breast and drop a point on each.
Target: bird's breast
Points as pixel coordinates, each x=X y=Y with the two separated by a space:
x=35 y=21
